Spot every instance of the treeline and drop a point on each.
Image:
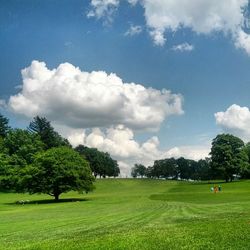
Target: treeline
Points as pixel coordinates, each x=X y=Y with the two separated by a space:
x=229 y=159
x=175 y=169
x=39 y=160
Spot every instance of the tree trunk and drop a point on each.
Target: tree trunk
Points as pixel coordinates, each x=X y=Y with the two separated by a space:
x=56 y=197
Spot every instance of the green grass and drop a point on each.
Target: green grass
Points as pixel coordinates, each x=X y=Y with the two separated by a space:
x=130 y=214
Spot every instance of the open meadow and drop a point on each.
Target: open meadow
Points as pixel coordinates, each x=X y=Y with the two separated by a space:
x=130 y=214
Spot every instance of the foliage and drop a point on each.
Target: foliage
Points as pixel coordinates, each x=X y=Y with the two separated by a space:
x=246 y=171
x=228 y=157
x=4 y=127
x=56 y=171
x=23 y=144
x=138 y=170
x=50 y=138
x=180 y=168
x=100 y=163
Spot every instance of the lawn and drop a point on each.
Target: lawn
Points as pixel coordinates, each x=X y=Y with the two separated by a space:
x=130 y=214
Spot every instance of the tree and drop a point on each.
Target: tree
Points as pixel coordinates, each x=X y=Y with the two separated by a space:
x=204 y=170
x=111 y=166
x=23 y=144
x=50 y=138
x=138 y=170
x=53 y=172
x=246 y=171
x=100 y=163
x=228 y=157
x=4 y=127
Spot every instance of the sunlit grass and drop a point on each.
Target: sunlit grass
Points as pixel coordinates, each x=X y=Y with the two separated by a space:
x=130 y=214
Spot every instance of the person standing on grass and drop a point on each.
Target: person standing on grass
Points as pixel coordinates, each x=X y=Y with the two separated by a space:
x=219 y=188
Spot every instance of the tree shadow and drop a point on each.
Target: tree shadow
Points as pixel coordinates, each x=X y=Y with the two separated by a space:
x=46 y=201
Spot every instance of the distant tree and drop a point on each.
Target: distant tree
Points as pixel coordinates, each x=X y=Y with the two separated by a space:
x=93 y=156
x=100 y=163
x=204 y=169
x=134 y=173
x=149 y=172
x=4 y=126
x=50 y=138
x=182 y=168
x=138 y=170
x=111 y=166
x=228 y=157
x=53 y=172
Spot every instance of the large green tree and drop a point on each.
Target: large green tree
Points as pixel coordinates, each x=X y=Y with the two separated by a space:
x=17 y=151
x=53 y=172
x=22 y=144
x=228 y=157
x=50 y=138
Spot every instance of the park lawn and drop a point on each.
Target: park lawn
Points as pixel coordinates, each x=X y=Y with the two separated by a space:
x=130 y=214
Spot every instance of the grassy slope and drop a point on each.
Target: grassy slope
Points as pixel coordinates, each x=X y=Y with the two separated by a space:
x=131 y=214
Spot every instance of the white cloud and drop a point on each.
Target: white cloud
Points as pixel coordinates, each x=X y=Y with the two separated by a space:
x=133 y=30
x=243 y=41
x=66 y=95
x=235 y=120
x=183 y=47
x=103 y=9
x=202 y=17
x=158 y=37
x=119 y=141
x=189 y=152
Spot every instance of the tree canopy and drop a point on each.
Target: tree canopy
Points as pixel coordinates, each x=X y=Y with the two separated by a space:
x=138 y=170
x=100 y=163
x=50 y=138
x=180 y=168
x=228 y=157
x=53 y=172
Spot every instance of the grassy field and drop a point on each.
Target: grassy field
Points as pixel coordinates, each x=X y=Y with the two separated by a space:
x=130 y=214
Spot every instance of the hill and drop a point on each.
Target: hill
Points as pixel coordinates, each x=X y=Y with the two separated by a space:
x=130 y=214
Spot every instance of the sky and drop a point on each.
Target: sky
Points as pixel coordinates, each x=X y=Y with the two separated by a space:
x=140 y=79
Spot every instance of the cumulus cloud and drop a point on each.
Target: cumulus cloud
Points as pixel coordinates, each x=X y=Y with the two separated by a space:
x=235 y=120
x=79 y=99
x=183 y=47
x=133 y=30
x=189 y=152
x=120 y=142
x=202 y=17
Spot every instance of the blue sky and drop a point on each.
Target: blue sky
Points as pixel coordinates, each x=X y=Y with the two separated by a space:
x=212 y=76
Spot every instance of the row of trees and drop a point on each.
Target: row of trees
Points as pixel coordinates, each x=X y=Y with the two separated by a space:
x=39 y=160
x=175 y=169
x=229 y=157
